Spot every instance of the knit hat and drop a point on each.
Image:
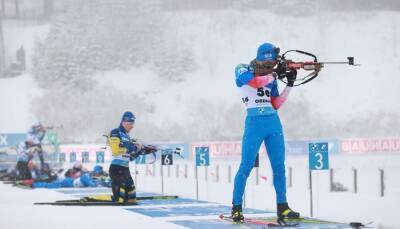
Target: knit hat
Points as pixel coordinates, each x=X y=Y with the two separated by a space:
x=128 y=117
x=267 y=52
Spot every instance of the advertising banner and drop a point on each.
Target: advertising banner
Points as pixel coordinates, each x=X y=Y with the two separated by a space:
x=381 y=145
x=9 y=140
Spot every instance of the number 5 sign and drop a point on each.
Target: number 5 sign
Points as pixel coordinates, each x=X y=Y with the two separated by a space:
x=318 y=156
x=202 y=156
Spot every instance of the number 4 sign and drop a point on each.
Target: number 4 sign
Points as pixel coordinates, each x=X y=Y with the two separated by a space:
x=318 y=156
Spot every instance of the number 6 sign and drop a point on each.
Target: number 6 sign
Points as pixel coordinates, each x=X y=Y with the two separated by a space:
x=166 y=159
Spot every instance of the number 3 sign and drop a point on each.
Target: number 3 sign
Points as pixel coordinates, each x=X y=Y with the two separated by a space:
x=318 y=156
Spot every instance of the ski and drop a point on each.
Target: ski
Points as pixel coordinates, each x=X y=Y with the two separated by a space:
x=359 y=225
x=9 y=181
x=298 y=220
x=96 y=201
x=25 y=184
x=259 y=222
x=86 y=204
x=314 y=221
x=107 y=198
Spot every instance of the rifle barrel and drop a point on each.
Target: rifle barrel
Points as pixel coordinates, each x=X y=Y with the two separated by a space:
x=340 y=62
x=349 y=62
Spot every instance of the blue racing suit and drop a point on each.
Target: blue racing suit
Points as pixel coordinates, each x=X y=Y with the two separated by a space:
x=68 y=182
x=262 y=124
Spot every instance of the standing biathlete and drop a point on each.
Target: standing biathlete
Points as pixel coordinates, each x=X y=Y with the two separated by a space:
x=36 y=134
x=257 y=83
x=25 y=153
x=123 y=150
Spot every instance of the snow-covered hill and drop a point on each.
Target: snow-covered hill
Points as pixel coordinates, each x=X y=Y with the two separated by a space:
x=16 y=94
x=205 y=104
x=15 y=99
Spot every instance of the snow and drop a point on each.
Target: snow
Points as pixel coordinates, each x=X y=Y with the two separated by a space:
x=22 y=33
x=17 y=94
x=15 y=98
x=17 y=211
x=205 y=103
x=336 y=97
x=366 y=205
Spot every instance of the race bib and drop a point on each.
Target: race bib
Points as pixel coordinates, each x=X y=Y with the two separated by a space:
x=256 y=97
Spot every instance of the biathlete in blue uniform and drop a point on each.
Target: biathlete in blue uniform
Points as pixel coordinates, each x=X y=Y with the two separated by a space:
x=257 y=83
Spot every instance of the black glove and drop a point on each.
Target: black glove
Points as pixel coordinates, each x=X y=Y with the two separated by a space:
x=291 y=77
x=133 y=156
x=281 y=70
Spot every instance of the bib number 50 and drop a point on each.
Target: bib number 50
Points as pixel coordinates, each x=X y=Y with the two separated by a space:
x=263 y=92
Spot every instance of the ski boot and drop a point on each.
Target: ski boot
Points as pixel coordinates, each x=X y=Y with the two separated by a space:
x=237 y=214
x=284 y=211
x=117 y=199
x=116 y=194
x=129 y=195
x=130 y=201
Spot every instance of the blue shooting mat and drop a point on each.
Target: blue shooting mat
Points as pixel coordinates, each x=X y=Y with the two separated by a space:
x=188 y=210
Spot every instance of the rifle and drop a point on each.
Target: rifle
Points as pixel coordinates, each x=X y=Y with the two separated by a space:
x=152 y=149
x=53 y=127
x=313 y=66
x=148 y=149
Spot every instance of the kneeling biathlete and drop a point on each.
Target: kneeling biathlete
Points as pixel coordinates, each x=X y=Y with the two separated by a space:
x=257 y=83
x=122 y=151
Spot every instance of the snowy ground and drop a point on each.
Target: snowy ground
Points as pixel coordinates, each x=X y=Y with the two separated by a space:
x=173 y=213
x=17 y=211
x=366 y=205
